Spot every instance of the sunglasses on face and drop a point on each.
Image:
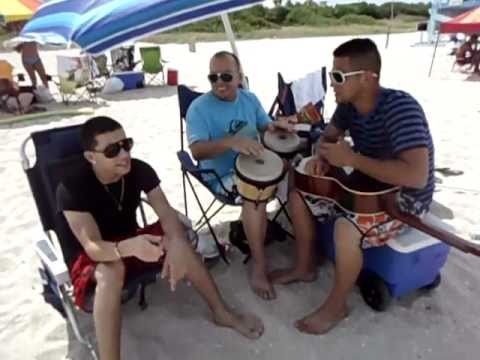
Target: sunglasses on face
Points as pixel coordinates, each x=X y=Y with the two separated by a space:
x=112 y=150
x=338 y=77
x=225 y=77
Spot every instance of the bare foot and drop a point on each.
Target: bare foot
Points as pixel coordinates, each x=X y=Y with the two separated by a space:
x=287 y=276
x=249 y=326
x=322 y=320
x=261 y=285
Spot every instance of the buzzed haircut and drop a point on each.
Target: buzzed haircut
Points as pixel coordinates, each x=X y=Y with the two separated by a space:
x=96 y=126
x=363 y=54
x=223 y=54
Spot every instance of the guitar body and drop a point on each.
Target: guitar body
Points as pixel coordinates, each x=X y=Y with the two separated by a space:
x=354 y=192
x=357 y=193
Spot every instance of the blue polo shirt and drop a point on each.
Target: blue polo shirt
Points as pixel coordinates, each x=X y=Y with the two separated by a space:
x=209 y=118
x=396 y=124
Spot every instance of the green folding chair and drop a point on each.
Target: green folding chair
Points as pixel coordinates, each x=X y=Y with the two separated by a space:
x=152 y=62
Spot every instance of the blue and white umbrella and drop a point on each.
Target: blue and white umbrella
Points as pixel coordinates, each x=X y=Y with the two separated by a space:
x=98 y=25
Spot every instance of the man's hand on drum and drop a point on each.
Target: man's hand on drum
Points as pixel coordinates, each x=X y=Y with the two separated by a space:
x=246 y=146
x=337 y=154
x=317 y=166
x=283 y=123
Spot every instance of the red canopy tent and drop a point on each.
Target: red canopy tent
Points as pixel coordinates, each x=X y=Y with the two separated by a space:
x=468 y=23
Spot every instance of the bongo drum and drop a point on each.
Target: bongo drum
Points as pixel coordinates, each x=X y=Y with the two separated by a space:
x=257 y=177
x=284 y=143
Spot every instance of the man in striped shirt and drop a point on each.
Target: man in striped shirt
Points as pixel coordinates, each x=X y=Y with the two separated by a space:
x=392 y=144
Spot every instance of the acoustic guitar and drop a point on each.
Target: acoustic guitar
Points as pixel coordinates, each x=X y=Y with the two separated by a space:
x=355 y=192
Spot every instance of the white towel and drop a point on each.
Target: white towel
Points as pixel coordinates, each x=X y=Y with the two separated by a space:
x=308 y=89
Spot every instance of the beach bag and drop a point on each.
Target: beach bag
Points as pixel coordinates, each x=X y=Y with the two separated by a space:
x=42 y=95
x=112 y=85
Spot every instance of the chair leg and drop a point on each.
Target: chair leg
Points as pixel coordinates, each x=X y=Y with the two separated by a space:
x=206 y=211
x=208 y=218
x=221 y=250
x=69 y=310
x=283 y=208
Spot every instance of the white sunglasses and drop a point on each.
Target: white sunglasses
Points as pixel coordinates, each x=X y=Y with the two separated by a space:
x=338 y=77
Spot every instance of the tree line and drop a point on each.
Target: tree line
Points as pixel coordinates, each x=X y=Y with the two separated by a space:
x=309 y=13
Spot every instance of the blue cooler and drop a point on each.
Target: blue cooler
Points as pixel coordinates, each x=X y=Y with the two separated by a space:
x=406 y=263
x=131 y=79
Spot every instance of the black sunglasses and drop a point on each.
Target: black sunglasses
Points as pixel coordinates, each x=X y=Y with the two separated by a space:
x=112 y=150
x=226 y=77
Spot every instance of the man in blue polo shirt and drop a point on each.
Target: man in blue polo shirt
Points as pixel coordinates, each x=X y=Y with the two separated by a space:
x=392 y=144
x=220 y=124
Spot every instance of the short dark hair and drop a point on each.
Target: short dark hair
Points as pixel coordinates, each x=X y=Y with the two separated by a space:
x=223 y=54
x=96 y=126
x=363 y=54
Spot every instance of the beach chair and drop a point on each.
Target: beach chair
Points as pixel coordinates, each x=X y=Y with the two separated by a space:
x=152 y=62
x=231 y=198
x=284 y=105
x=75 y=79
x=58 y=152
x=284 y=102
x=123 y=58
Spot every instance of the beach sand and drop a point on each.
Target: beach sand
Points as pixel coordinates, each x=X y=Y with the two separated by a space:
x=441 y=325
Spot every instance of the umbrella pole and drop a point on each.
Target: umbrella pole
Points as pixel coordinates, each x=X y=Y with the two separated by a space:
x=434 y=52
x=231 y=38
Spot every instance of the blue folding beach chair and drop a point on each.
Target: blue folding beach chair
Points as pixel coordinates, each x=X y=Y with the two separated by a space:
x=58 y=152
x=284 y=102
x=191 y=170
x=284 y=105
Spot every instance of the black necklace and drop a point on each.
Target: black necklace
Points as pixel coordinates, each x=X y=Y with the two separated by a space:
x=118 y=202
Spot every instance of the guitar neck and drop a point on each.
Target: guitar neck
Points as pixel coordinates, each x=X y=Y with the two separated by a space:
x=435 y=231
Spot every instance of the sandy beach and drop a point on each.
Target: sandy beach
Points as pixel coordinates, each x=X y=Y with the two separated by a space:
x=441 y=325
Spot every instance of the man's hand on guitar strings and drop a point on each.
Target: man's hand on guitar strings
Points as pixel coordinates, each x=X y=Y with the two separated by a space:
x=317 y=167
x=337 y=154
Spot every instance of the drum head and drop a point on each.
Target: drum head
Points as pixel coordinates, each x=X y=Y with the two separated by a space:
x=281 y=141
x=266 y=168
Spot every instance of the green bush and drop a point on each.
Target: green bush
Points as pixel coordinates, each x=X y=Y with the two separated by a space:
x=357 y=19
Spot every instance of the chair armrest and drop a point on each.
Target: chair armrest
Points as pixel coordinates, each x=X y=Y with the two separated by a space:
x=52 y=260
x=188 y=165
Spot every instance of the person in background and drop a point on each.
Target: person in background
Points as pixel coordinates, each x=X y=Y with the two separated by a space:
x=32 y=63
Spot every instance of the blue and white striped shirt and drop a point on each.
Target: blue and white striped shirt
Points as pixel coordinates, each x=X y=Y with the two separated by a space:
x=396 y=124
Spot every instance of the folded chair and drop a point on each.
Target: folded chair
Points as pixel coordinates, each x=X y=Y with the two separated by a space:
x=152 y=62
x=192 y=170
x=58 y=152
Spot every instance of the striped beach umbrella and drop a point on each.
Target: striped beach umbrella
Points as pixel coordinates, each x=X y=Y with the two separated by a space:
x=98 y=25
x=17 y=10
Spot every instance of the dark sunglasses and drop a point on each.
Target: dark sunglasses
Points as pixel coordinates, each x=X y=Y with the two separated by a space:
x=112 y=150
x=226 y=77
